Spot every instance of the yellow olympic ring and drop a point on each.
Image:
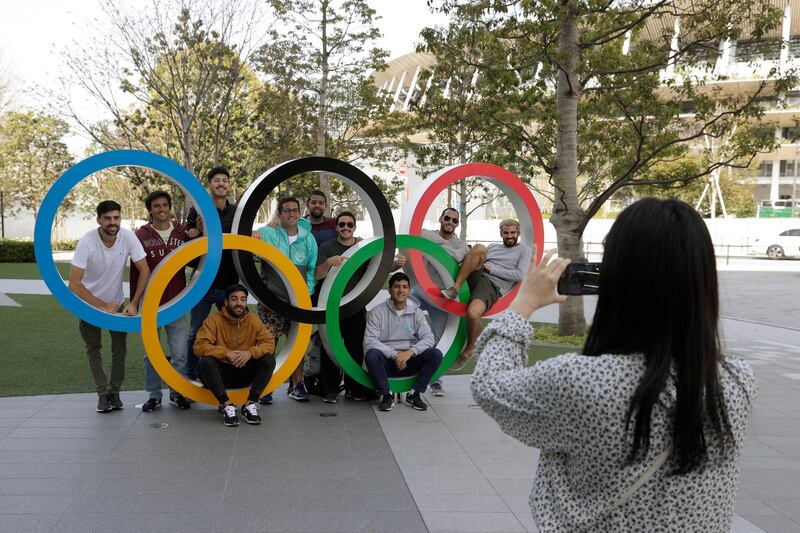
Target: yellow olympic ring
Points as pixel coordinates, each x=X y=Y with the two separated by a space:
x=177 y=260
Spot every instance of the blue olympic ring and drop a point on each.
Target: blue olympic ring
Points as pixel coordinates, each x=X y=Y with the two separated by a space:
x=173 y=310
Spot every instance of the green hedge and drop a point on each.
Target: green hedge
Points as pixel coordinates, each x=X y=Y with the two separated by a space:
x=65 y=246
x=12 y=251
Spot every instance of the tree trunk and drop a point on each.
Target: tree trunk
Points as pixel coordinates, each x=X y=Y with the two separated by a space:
x=462 y=188
x=324 y=181
x=567 y=212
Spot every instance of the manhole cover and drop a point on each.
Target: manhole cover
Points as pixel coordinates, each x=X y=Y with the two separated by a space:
x=159 y=425
x=326 y=415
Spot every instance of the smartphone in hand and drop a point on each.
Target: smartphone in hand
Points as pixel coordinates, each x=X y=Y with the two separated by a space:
x=580 y=279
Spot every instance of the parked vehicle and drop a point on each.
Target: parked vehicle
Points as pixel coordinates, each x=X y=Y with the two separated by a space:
x=786 y=244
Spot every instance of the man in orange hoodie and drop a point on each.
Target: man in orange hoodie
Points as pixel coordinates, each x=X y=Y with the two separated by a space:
x=235 y=350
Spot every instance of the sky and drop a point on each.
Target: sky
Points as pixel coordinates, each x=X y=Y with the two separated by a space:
x=35 y=31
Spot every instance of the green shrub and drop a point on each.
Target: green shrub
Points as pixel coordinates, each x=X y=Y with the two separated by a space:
x=548 y=333
x=12 y=251
x=65 y=246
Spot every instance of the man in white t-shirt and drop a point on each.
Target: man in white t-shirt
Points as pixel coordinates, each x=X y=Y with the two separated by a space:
x=96 y=277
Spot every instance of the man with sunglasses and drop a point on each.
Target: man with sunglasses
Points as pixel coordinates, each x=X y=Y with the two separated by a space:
x=295 y=241
x=331 y=254
x=445 y=238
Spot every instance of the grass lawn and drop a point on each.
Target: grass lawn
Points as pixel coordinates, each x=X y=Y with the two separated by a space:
x=29 y=270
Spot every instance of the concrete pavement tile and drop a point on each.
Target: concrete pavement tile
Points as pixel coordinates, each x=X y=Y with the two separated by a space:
x=4 y=432
x=193 y=485
x=321 y=501
x=749 y=506
x=777 y=477
x=774 y=524
x=474 y=503
x=771 y=463
x=394 y=521
x=19 y=411
x=466 y=471
x=28 y=523
x=789 y=508
x=508 y=472
x=25 y=504
x=12 y=421
x=740 y=525
x=526 y=519
x=95 y=433
x=48 y=470
x=57 y=444
x=392 y=502
x=437 y=485
x=314 y=521
x=54 y=456
x=456 y=457
x=144 y=504
x=512 y=487
x=468 y=522
x=94 y=421
x=133 y=522
x=756 y=447
x=38 y=486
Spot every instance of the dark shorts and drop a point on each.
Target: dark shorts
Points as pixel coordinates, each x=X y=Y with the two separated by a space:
x=482 y=288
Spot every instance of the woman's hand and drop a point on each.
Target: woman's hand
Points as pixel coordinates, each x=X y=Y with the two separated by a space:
x=538 y=289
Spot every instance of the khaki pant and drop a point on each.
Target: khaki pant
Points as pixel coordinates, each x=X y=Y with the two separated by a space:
x=119 y=348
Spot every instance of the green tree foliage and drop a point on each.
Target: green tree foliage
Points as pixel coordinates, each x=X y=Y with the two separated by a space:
x=32 y=156
x=323 y=55
x=599 y=92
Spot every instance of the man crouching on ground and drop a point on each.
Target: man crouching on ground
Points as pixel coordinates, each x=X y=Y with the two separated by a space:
x=400 y=343
x=235 y=350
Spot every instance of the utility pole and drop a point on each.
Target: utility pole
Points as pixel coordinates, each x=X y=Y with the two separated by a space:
x=2 y=217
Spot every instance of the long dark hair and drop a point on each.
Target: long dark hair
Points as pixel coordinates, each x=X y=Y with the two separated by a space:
x=658 y=296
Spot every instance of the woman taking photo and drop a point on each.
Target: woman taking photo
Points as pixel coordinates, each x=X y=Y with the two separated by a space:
x=641 y=432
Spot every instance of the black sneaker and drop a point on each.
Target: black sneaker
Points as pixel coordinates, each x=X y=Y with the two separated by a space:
x=250 y=414
x=414 y=400
x=103 y=403
x=331 y=398
x=116 y=403
x=151 y=405
x=387 y=402
x=352 y=395
x=266 y=399
x=180 y=401
x=229 y=417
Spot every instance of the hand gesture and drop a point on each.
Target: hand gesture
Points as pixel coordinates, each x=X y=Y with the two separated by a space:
x=130 y=310
x=336 y=260
x=402 y=358
x=110 y=307
x=399 y=261
x=538 y=289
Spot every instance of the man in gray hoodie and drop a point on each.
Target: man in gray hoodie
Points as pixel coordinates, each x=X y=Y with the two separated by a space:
x=490 y=273
x=400 y=342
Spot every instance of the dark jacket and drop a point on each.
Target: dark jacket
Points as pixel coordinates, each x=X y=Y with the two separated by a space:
x=156 y=250
x=226 y=275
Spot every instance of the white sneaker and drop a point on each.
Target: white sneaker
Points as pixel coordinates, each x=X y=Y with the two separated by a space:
x=229 y=417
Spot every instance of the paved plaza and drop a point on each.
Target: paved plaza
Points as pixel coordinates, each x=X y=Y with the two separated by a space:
x=347 y=467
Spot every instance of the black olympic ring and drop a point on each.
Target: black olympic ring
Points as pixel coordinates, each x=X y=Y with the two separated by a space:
x=379 y=210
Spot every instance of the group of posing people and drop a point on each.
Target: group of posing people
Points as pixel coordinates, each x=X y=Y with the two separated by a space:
x=235 y=348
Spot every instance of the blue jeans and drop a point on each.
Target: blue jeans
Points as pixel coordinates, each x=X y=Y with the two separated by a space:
x=199 y=313
x=176 y=340
x=438 y=317
x=423 y=365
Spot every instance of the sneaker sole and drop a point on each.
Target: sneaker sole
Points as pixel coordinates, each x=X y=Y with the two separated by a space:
x=253 y=422
x=102 y=411
x=300 y=399
x=158 y=406
x=389 y=409
x=231 y=424
x=173 y=402
x=326 y=400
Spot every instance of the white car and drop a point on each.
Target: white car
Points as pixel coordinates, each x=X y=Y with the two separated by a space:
x=787 y=244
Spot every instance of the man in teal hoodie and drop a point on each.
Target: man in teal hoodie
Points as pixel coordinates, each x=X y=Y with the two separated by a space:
x=294 y=239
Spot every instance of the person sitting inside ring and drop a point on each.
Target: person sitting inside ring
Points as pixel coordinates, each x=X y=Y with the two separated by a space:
x=400 y=342
x=236 y=350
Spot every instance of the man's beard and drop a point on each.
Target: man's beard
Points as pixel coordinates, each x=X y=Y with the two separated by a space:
x=510 y=245
x=445 y=230
x=110 y=231
x=317 y=212
x=232 y=311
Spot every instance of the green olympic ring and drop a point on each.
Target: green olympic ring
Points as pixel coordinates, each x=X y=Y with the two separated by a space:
x=331 y=332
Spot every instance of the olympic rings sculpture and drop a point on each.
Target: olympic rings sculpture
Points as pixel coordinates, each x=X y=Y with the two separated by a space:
x=378 y=250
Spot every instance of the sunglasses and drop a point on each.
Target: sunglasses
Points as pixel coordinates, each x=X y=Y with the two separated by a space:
x=448 y=218
x=350 y=225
